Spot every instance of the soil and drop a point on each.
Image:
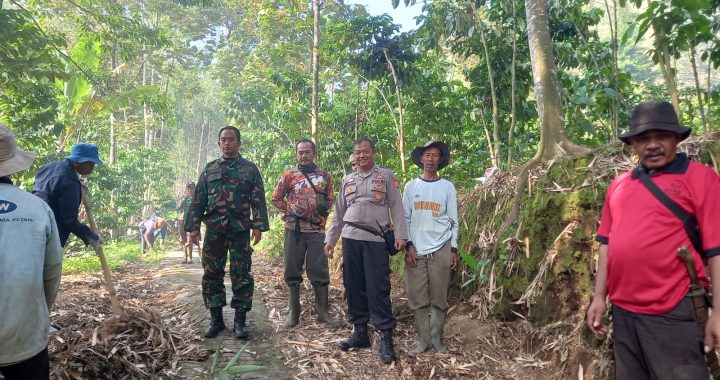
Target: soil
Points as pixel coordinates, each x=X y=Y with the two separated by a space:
x=477 y=349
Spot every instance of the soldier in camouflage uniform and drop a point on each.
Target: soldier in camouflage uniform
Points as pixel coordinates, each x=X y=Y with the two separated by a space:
x=230 y=199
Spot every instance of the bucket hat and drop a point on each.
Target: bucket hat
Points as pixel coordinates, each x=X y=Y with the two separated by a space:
x=12 y=159
x=444 y=150
x=656 y=115
x=84 y=152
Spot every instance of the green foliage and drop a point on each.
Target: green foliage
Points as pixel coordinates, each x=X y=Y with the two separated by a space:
x=231 y=369
x=117 y=255
x=273 y=241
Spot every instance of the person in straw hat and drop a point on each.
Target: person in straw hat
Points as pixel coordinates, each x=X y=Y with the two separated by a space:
x=430 y=205
x=58 y=184
x=30 y=268
x=656 y=334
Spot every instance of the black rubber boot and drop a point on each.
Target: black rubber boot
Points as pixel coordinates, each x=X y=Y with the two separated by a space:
x=240 y=328
x=321 y=306
x=387 y=351
x=294 y=305
x=359 y=338
x=216 y=322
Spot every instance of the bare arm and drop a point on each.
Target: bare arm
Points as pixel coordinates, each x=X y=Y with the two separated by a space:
x=712 y=329
x=598 y=308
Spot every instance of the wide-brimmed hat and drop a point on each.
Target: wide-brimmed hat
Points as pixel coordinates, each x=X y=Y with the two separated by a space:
x=12 y=159
x=85 y=152
x=444 y=150
x=659 y=116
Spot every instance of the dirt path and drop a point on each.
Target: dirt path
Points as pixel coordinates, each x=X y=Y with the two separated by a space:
x=478 y=349
x=185 y=279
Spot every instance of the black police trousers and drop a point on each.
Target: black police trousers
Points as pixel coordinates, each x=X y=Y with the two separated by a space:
x=366 y=273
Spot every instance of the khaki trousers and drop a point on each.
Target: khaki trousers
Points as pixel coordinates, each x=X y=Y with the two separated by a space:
x=427 y=283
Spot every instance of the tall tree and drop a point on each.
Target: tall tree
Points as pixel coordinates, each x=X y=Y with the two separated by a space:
x=315 y=70
x=553 y=140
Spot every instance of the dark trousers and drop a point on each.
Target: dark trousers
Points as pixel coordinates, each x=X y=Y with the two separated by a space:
x=366 y=273
x=667 y=346
x=35 y=368
x=215 y=254
x=305 y=249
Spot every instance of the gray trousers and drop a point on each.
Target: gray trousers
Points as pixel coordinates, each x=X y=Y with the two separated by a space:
x=667 y=346
x=427 y=283
x=308 y=249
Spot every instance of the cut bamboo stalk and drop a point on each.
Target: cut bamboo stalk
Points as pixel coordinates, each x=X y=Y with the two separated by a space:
x=115 y=304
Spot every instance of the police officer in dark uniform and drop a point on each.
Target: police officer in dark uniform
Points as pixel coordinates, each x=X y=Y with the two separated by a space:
x=369 y=197
x=230 y=199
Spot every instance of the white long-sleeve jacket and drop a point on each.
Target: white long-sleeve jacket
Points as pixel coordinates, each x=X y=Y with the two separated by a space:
x=30 y=269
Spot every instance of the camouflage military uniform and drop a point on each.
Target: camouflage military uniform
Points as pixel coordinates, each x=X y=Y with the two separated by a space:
x=230 y=199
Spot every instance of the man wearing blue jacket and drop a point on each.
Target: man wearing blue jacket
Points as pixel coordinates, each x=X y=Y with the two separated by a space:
x=58 y=184
x=430 y=204
x=30 y=268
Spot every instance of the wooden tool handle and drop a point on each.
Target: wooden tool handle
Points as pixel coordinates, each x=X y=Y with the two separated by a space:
x=115 y=304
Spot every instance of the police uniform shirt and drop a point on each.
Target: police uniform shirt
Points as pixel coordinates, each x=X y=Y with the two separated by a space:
x=368 y=199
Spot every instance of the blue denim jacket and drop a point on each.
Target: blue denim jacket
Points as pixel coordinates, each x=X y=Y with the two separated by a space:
x=57 y=183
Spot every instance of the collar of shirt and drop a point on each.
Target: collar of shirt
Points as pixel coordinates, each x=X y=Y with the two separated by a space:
x=374 y=169
x=230 y=161
x=679 y=165
x=71 y=170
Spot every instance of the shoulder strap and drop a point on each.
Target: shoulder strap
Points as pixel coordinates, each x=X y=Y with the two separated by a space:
x=310 y=183
x=689 y=221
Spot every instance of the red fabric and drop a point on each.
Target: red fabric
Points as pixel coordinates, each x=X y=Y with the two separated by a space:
x=645 y=275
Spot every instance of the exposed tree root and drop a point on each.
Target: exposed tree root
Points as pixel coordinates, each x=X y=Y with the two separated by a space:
x=564 y=149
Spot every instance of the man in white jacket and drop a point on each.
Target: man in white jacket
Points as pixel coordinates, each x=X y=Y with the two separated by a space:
x=430 y=204
x=30 y=269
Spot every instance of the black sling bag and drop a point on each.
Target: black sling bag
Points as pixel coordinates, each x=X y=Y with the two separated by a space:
x=387 y=234
x=689 y=221
x=321 y=203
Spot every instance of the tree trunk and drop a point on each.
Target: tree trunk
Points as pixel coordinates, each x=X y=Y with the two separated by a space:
x=315 y=70
x=513 y=79
x=357 y=110
x=698 y=92
x=496 y=125
x=553 y=140
x=614 y=104
x=663 y=56
x=400 y=126
x=115 y=231
x=200 y=160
